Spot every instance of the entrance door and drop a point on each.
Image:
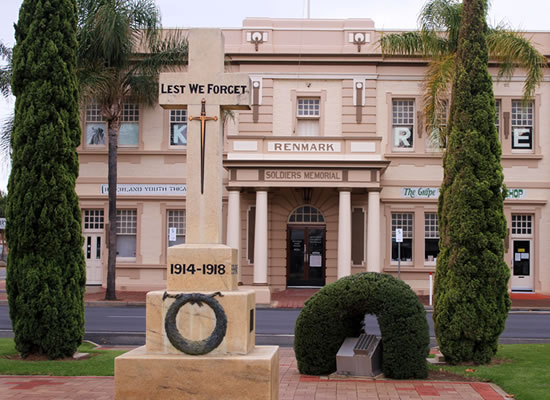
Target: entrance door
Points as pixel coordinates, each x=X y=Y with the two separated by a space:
x=306 y=255
x=522 y=276
x=93 y=254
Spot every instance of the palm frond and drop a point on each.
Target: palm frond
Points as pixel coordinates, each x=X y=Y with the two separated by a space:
x=141 y=89
x=6 y=70
x=100 y=84
x=512 y=49
x=437 y=83
x=163 y=54
x=5 y=142
x=423 y=43
x=442 y=16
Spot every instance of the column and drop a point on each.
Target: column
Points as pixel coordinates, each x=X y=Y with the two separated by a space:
x=344 y=234
x=233 y=238
x=373 y=231
x=260 y=239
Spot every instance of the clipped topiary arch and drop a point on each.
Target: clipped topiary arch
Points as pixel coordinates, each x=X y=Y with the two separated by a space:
x=336 y=312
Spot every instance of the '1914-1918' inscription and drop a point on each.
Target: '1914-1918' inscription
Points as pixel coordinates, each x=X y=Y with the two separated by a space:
x=206 y=269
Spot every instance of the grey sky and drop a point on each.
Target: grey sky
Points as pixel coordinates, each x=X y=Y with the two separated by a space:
x=525 y=15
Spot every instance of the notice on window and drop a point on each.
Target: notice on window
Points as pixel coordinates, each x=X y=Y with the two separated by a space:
x=525 y=256
x=517 y=257
x=315 y=261
x=172 y=234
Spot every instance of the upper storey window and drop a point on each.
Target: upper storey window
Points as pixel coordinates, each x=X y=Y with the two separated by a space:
x=522 y=125
x=178 y=127
x=128 y=134
x=308 y=116
x=402 y=124
x=96 y=126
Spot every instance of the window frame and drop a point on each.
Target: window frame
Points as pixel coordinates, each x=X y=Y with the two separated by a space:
x=93 y=216
x=308 y=117
x=171 y=123
x=530 y=225
x=93 y=116
x=310 y=94
x=524 y=115
x=130 y=118
x=134 y=234
x=168 y=225
x=396 y=124
x=429 y=230
x=408 y=262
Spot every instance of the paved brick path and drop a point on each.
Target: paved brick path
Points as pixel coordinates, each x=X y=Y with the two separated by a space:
x=293 y=386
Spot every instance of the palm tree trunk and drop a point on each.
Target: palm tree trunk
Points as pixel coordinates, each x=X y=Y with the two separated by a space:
x=112 y=127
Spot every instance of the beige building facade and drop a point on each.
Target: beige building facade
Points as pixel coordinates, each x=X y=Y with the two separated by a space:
x=332 y=158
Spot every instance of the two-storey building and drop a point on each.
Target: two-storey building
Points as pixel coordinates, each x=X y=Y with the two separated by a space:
x=332 y=158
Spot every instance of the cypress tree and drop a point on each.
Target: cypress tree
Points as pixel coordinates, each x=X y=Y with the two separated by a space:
x=471 y=281
x=46 y=269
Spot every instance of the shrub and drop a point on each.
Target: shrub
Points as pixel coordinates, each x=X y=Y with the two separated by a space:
x=471 y=281
x=337 y=312
x=46 y=271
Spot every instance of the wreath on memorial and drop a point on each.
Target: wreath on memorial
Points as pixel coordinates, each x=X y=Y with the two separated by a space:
x=195 y=347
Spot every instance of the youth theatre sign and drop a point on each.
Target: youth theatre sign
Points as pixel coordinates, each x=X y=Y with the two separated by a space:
x=140 y=189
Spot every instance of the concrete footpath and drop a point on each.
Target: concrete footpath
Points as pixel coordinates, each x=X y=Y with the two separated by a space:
x=292 y=386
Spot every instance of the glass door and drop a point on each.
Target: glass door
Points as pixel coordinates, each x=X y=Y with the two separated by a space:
x=94 y=257
x=522 y=277
x=306 y=256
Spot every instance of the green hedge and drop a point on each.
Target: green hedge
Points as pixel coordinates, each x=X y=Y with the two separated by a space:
x=337 y=312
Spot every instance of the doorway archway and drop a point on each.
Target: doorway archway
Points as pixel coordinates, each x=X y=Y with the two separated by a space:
x=306 y=239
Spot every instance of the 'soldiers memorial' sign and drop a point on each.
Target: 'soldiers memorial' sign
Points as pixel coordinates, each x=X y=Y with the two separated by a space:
x=302 y=176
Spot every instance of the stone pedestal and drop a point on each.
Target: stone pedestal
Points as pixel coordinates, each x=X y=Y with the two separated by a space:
x=142 y=375
x=196 y=323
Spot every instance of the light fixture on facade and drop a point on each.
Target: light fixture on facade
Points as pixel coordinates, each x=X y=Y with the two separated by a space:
x=359 y=39
x=256 y=38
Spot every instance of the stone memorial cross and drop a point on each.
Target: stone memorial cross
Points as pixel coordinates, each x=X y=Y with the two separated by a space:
x=205 y=89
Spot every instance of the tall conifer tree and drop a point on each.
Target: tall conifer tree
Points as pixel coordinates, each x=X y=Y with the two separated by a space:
x=471 y=282
x=46 y=269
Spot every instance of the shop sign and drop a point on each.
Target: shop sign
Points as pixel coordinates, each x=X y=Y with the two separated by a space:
x=420 y=192
x=516 y=194
x=433 y=193
x=302 y=176
x=304 y=147
x=140 y=189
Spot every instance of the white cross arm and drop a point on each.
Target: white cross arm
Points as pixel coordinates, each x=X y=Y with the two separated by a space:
x=231 y=91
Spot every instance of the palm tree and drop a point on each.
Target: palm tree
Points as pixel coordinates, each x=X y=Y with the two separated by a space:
x=112 y=72
x=437 y=40
x=5 y=71
x=5 y=88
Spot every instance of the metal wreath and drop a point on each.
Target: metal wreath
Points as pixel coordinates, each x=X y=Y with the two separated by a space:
x=195 y=347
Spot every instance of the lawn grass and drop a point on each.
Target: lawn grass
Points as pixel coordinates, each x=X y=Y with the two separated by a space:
x=520 y=369
x=101 y=363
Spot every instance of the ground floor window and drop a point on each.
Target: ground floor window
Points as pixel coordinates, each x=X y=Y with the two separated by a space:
x=126 y=233
x=431 y=237
x=176 y=227
x=405 y=222
x=522 y=224
x=93 y=219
